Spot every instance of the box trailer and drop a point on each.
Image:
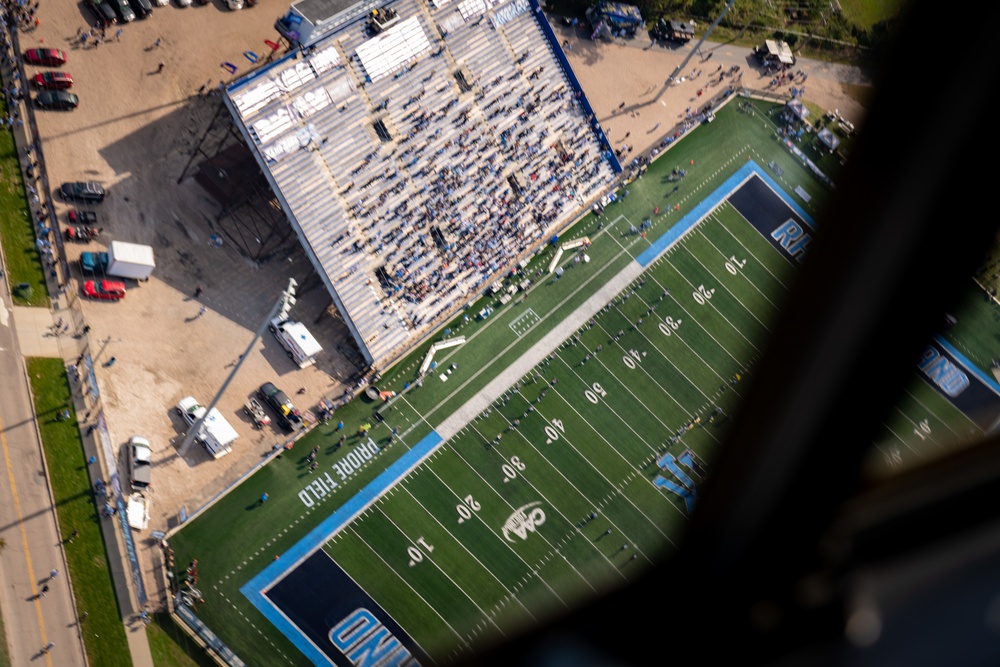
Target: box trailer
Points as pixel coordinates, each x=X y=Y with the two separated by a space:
x=297 y=341
x=216 y=434
x=130 y=260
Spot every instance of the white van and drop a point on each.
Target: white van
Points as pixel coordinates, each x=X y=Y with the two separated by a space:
x=216 y=434
x=302 y=348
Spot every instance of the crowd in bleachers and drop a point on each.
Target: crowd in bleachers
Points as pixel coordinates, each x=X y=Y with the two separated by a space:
x=411 y=227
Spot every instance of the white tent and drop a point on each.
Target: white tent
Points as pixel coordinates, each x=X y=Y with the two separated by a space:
x=828 y=138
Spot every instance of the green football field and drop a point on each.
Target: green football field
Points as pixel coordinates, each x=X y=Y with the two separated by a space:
x=551 y=457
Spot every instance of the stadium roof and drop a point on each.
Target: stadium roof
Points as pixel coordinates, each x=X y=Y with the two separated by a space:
x=392 y=153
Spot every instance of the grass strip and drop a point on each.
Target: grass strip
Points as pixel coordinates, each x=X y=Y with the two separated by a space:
x=86 y=555
x=17 y=234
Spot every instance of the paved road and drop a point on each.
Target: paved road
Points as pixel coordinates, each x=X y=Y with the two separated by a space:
x=28 y=524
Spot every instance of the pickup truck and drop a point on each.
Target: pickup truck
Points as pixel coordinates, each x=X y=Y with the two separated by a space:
x=85 y=218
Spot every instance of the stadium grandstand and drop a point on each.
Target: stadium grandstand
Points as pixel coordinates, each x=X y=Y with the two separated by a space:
x=420 y=150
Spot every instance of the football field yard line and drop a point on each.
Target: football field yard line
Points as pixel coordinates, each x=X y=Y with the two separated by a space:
x=676 y=334
x=637 y=436
x=360 y=538
x=913 y=423
x=552 y=548
x=428 y=557
x=601 y=362
x=496 y=493
x=492 y=530
x=534 y=487
x=615 y=491
x=637 y=472
x=739 y=273
x=716 y=310
x=689 y=316
x=583 y=457
x=721 y=284
x=745 y=225
x=942 y=421
x=669 y=361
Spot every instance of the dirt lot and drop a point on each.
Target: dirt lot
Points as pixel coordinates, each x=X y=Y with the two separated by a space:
x=135 y=131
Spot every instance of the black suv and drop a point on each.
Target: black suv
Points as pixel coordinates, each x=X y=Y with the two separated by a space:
x=82 y=191
x=123 y=10
x=143 y=8
x=103 y=11
x=288 y=416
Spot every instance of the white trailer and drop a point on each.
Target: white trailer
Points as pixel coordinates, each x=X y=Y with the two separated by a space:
x=297 y=341
x=130 y=260
x=216 y=434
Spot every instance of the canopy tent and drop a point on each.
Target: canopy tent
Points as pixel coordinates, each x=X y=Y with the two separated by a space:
x=828 y=139
x=620 y=14
x=797 y=108
x=780 y=50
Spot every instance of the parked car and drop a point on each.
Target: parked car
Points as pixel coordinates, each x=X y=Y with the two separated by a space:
x=162 y=3
x=143 y=8
x=183 y=3
x=94 y=263
x=53 y=80
x=104 y=12
x=234 y=4
x=140 y=462
x=82 y=191
x=288 y=415
x=62 y=100
x=47 y=57
x=123 y=11
x=107 y=290
x=86 y=218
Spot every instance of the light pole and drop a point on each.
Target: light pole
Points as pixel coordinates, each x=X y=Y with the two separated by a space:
x=284 y=302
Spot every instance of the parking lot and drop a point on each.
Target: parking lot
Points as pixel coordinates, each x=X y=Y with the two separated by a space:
x=134 y=131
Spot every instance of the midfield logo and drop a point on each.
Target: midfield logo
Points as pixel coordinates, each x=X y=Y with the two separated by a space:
x=524 y=520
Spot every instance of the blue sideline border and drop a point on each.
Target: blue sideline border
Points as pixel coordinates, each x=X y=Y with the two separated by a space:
x=969 y=366
x=717 y=196
x=254 y=589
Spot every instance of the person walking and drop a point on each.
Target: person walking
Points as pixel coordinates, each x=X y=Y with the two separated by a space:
x=43 y=591
x=54 y=573
x=197 y=291
x=201 y=311
x=263 y=498
x=48 y=647
x=161 y=66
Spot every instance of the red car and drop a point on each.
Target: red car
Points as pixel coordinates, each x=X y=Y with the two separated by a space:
x=109 y=290
x=53 y=80
x=48 y=57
